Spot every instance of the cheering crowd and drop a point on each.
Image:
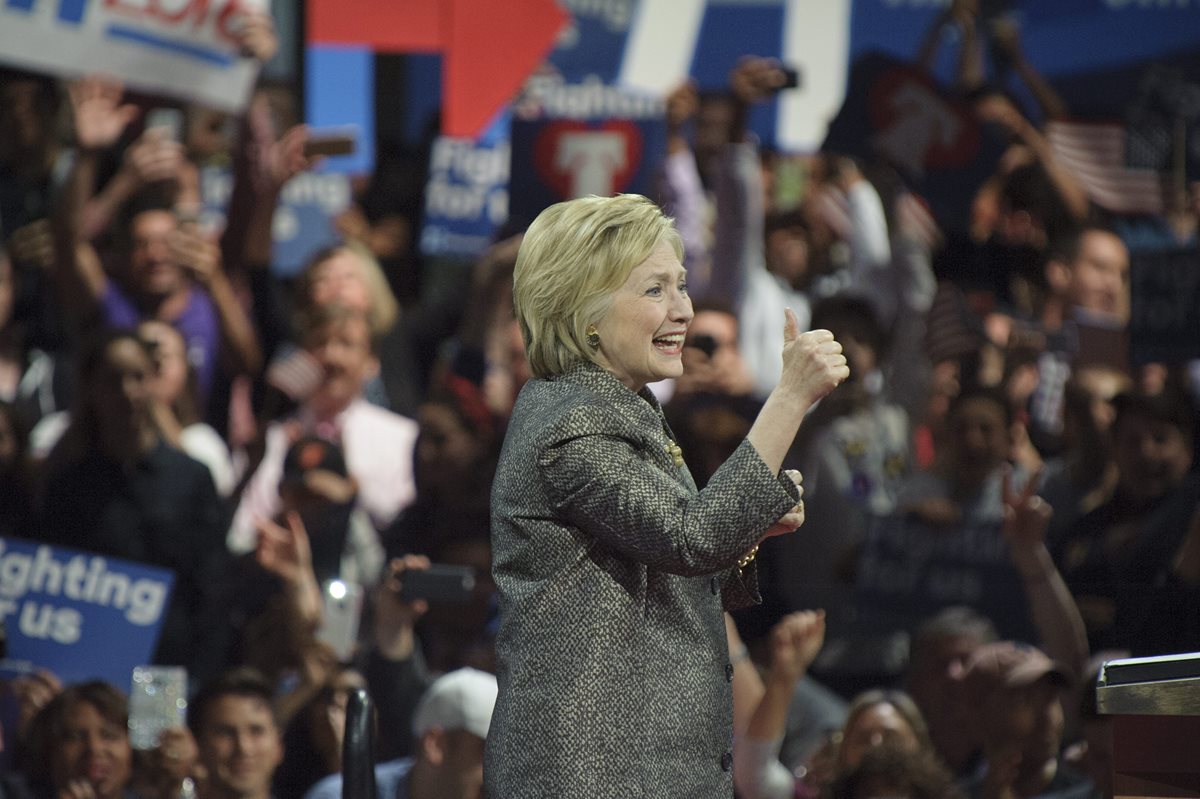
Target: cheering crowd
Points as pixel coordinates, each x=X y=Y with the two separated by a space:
x=168 y=399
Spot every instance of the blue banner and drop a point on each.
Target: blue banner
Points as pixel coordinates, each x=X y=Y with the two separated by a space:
x=79 y=615
x=908 y=571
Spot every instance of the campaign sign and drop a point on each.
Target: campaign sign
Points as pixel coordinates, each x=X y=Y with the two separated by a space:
x=304 y=218
x=556 y=159
x=896 y=112
x=80 y=615
x=466 y=197
x=185 y=48
x=1164 y=323
x=908 y=571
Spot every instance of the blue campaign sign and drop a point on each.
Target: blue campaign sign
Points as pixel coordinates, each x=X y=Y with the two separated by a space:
x=466 y=197
x=908 y=571
x=556 y=158
x=80 y=615
x=304 y=220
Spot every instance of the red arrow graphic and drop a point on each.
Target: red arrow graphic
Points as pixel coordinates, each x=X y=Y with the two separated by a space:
x=488 y=47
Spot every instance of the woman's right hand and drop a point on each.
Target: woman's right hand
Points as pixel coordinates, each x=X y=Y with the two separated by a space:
x=813 y=363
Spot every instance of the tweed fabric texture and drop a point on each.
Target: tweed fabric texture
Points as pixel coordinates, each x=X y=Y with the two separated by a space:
x=613 y=572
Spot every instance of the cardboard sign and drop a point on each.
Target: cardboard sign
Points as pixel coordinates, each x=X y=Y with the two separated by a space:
x=908 y=571
x=80 y=615
x=466 y=197
x=1164 y=324
x=556 y=159
x=185 y=49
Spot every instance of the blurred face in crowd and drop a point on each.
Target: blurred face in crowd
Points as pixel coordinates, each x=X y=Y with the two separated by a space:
x=642 y=333
x=240 y=746
x=1100 y=275
x=119 y=391
x=446 y=448
x=1152 y=456
x=94 y=749
x=935 y=685
x=169 y=378
x=152 y=268
x=874 y=726
x=460 y=765
x=343 y=350
x=339 y=279
x=979 y=439
x=787 y=254
x=1028 y=719
x=711 y=354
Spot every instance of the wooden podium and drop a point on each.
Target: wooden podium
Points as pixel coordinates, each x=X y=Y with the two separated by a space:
x=1155 y=705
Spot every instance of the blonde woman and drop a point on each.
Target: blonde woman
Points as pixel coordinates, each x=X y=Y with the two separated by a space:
x=612 y=568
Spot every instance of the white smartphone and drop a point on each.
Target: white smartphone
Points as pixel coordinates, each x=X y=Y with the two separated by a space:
x=157 y=702
x=340 y=616
x=168 y=119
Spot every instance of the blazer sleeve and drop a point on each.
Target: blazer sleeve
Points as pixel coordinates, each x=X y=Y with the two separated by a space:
x=617 y=490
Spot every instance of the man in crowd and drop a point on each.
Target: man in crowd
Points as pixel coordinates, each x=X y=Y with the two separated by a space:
x=239 y=743
x=449 y=727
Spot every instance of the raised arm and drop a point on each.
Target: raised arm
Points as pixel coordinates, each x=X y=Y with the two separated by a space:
x=795 y=642
x=1055 y=614
x=99 y=120
x=202 y=258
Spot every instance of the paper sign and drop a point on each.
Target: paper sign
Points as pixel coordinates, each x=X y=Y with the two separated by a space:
x=80 y=615
x=186 y=49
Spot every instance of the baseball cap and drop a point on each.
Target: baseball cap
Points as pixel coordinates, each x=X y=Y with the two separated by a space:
x=460 y=700
x=1007 y=664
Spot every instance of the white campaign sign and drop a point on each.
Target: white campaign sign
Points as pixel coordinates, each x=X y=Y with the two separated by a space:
x=181 y=48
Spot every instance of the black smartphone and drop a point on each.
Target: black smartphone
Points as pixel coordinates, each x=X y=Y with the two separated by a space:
x=791 y=78
x=440 y=584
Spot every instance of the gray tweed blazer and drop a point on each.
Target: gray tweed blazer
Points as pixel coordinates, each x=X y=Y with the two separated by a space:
x=612 y=571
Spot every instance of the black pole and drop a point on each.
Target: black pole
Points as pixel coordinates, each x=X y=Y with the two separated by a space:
x=358 y=748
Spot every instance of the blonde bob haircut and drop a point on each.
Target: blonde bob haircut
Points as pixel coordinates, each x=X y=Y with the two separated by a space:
x=384 y=310
x=574 y=256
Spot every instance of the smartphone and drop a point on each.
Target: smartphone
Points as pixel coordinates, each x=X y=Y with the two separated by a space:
x=440 y=584
x=168 y=119
x=332 y=144
x=791 y=78
x=342 y=604
x=157 y=702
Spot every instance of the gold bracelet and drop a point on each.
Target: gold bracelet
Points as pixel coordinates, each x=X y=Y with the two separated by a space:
x=748 y=558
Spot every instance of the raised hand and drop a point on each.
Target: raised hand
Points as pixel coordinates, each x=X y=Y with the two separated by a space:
x=154 y=157
x=813 y=363
x=394 y=615
x=1026 y=515
x=200 y=257
x=795 y=642
x=284 y=551
x=100 y=119
x=755 y=79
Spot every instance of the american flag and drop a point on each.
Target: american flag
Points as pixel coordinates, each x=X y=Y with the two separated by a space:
x=1095 y=153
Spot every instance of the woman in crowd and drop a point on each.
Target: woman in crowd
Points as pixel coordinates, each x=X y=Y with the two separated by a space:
x=874 y=718
x=612 y=569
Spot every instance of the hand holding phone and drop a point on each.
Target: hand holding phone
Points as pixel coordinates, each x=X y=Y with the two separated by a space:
x=157 y=702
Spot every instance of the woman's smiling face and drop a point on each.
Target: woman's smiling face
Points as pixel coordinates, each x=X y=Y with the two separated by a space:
x=641 y=334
